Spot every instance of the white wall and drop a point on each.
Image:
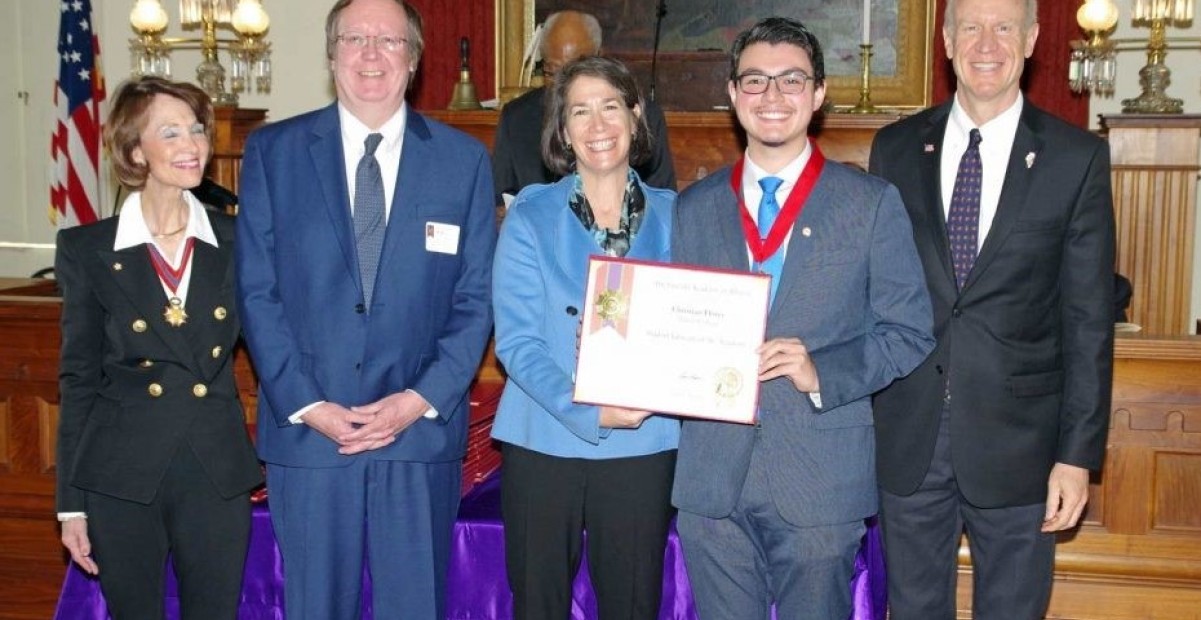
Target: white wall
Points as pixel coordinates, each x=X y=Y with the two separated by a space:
x=301 y=83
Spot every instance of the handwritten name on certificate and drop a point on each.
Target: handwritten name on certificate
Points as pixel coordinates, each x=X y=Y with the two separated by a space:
x=672 y=339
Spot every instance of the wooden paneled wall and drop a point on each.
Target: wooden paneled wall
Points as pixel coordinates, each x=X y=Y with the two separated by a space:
x=1155 y=169
x=702 y=142
x=31 y=564
x=1138 y=554
x=231 y=127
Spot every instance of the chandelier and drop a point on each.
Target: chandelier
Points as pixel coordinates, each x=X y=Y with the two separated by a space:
x=1093 y=66
x=250 y=53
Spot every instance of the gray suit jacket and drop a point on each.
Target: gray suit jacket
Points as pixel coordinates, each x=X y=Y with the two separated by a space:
x=852 y=290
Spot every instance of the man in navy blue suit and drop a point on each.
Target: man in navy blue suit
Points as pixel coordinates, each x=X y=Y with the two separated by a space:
x=365 y=234
x=996 y=432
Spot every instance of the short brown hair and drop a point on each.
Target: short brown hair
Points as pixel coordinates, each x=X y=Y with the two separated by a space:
x=127 y=119
x=556 y=154
x=415 y=36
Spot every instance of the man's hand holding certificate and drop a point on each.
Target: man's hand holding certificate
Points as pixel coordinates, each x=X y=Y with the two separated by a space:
x=672 y=339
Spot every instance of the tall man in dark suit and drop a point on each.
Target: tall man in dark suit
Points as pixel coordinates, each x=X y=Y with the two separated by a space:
x=773 y=513
x=998 y=429
x=365 y=247
x=517 y=152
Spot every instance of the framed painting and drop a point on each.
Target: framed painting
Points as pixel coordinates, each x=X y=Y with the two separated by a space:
x=692 y=65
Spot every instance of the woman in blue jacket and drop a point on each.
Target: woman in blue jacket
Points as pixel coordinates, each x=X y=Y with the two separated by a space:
x=567 y=466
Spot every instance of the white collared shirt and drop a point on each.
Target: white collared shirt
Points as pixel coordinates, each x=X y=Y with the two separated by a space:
x=752 y=194
x=996 y=143
x=132 y=231
x=354 y=134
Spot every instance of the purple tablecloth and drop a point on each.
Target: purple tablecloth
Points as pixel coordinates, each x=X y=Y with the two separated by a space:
x=478 y=589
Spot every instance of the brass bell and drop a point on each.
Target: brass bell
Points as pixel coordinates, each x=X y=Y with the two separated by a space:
x=464 y=97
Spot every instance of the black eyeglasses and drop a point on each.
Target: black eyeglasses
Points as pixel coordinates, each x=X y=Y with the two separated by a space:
x=789 y=83
x=385 y=42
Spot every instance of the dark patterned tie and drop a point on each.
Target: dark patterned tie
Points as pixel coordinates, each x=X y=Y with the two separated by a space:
x=963 y=218
x=369 y=221
x=768 y=210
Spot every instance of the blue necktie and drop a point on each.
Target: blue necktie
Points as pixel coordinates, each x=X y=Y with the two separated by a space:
x=369 y=221
x=769 y=209
x=963 y=218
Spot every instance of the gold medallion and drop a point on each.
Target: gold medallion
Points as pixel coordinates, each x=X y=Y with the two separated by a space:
x=611 y=305
x=174 y=313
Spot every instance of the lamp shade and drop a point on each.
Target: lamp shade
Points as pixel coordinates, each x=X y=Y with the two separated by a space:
x=1097 y=15
x=1172 y=10
x=250 y=18
x=148 y=16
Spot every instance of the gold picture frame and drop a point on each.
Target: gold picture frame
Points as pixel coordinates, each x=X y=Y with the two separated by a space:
x=908 y=88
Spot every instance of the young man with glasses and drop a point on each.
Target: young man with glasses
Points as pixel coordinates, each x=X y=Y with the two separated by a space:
x=364 y=257
x=778 y=519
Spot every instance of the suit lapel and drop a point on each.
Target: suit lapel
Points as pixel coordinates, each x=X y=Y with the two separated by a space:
x=929 y=184
x=328 y=160
x=819 y=199
x=727 y=221
x=211 y=275
x=1013 y=194
x=415 y=178
x=649 y=241
x=140 y=284
x=572 y=246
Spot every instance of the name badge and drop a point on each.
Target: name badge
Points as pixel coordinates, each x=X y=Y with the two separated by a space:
x=441 y=238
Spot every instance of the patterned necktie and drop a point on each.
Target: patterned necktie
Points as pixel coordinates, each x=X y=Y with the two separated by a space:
x=369 y=221
x=768 y=210
x=963 y=218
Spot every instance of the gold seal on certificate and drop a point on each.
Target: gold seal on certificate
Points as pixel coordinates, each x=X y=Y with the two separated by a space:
x=673 y=339
x=728 y=383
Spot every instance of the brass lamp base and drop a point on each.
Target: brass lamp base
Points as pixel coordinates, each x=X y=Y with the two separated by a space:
x=1153 y=100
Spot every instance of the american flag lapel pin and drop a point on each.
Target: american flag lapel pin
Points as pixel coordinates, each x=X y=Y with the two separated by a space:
x=928 y=148
x=1029 y=160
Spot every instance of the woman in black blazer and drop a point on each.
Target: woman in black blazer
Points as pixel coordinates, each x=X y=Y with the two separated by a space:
x=153 y=454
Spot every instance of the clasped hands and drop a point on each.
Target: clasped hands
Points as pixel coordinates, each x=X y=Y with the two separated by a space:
x=366 y=427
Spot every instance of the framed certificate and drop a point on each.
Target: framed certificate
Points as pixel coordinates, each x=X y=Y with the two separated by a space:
x=673 y=339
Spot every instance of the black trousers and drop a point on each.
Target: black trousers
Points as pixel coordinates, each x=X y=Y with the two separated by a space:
x=624 y=504
x=1012 y=561
x=206 y=535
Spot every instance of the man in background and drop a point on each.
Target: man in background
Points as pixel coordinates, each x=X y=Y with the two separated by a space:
x=997 y=431
x=517 y=151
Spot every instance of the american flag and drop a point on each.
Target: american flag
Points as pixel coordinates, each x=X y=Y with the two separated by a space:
x=75 y=146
